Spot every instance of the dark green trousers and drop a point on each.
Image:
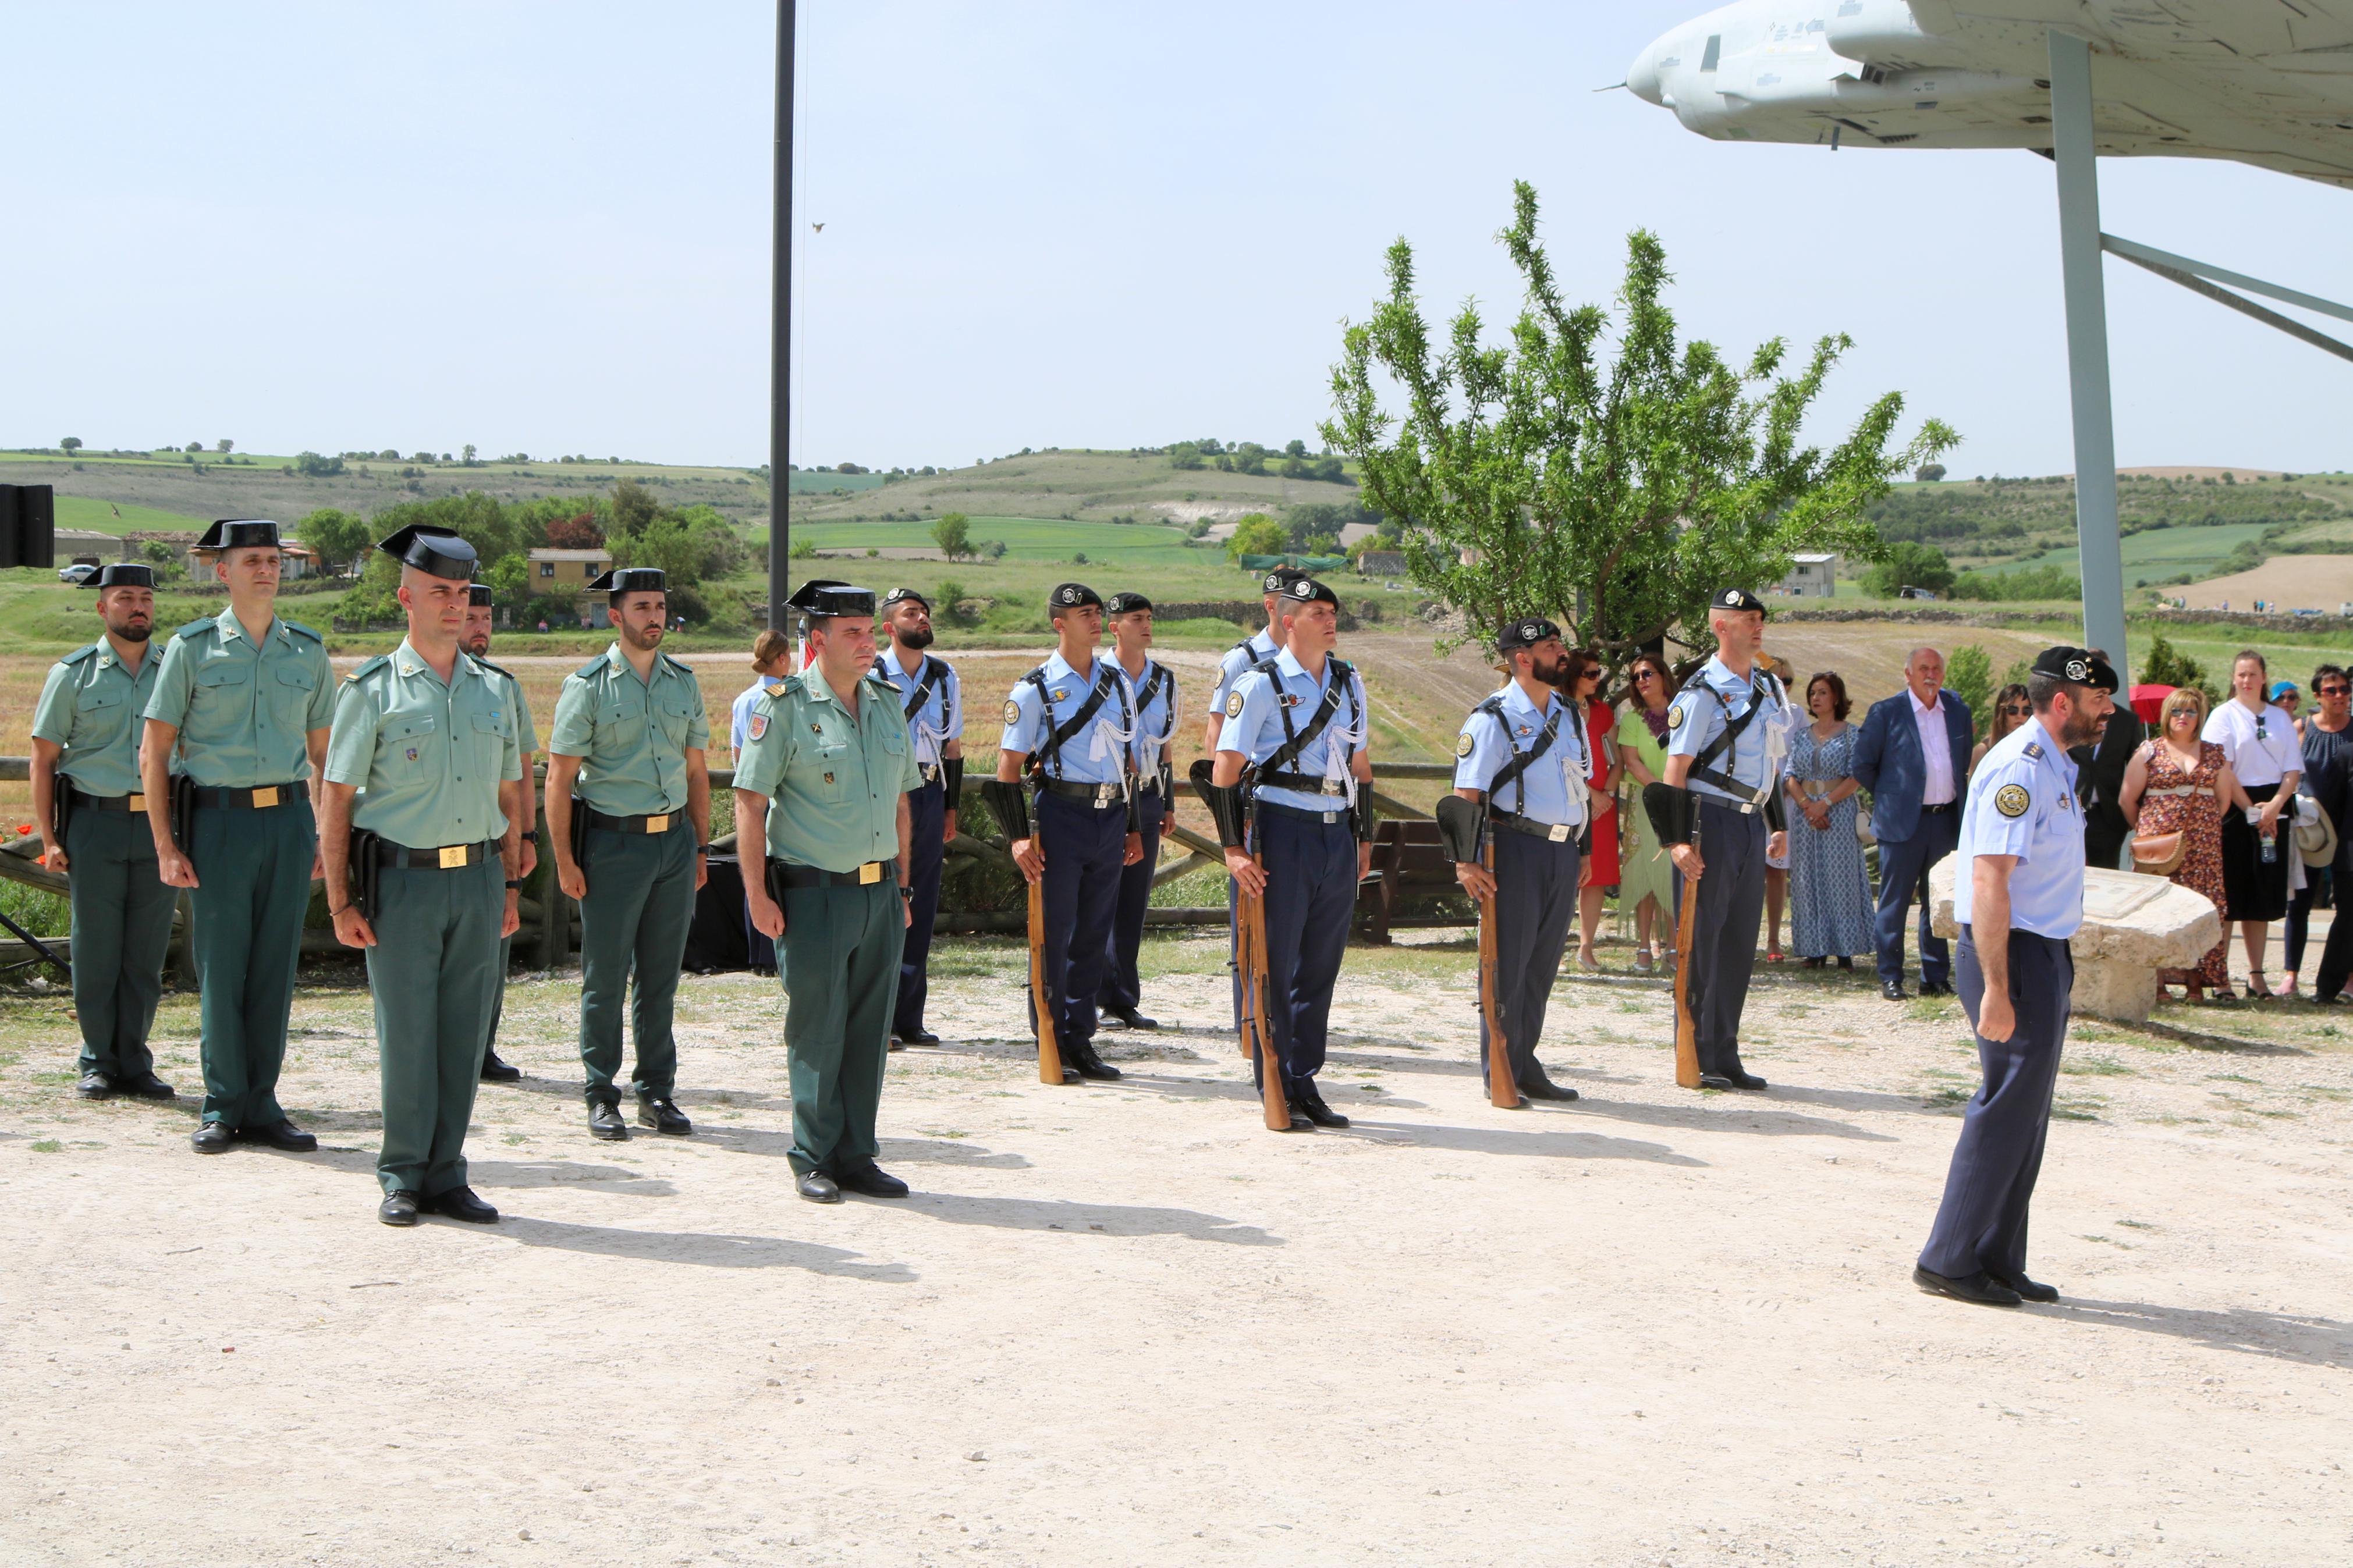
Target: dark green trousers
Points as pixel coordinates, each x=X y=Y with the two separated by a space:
x=433 y=975
x=640 y=906
x=253 y=883
x=839 y=966
x=122 y=925
x=499 y=996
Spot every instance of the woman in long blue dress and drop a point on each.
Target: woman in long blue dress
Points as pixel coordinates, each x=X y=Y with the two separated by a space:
x=1831 y=903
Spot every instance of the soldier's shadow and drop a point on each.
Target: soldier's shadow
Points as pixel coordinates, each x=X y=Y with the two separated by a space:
x=702 y=1250
x=1500 y=1141
x=776 y=1146
x=1746 y=1115
x=2306 y=1339
x=1085 y=1219
x=1236 y=1089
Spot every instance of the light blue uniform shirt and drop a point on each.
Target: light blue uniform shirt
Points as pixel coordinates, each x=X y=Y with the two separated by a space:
x=1755 y=759
x=1253 y=727
x=1551 y=790
x=1097 y=753
x=2023 y=803
x=1155 y=715
x=739 y=716
x=939 y=717
x=1260 y=648
x=92 y=710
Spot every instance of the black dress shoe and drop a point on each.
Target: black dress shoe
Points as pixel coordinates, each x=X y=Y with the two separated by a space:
x=95 y=1085
x=1308 y=1100
x=1300 y=1122
x=1980 y=1287
x=280 y=1135
x=1129 y=1018
x=397 y=1208
x=459 y=1202
x=1078 y=1057
x=497 y=1071
x=818 y=1187
x=1735 y=1079
x=871 y=1180
x=1934 y=988
x=655 y=1110
x=146 y=1086
x=918 y=1036
x=1542 y=1088
x=214 y=1138
x=2032 y=1289
x=604 y=1121
x=1893 y=990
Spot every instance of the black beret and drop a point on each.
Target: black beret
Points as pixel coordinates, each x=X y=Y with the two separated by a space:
x=1073 y=596
x=436 y=551
x=232 y=533
x=1281 y=577
x=631 y=579
x=829 y=598
x=1736 y=599
x=2076 y=665
x=903 y=596
x=480 y=594
x=1525 y=633
x=122 y=574
x=1308 y=591
x=1125 y=603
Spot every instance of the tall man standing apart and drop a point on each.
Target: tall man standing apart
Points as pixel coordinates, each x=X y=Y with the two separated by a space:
x=1121 y=994
x=88 y=798
x=1299 y=724
x=1913 y=755
x=2018 y=898
x=1727 y=731
x=246 y=700
x=932 y=700
x=629 y=735
x=422 y=871
x=823 y=785
x=1525 y=756
x=517 y=799
x=1069 y=723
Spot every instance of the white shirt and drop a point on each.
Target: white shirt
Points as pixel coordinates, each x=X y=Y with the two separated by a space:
x=1935 y=746
x=2262 y=748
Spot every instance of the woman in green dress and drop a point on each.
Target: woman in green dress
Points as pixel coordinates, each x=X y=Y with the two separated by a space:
x=1646 y=878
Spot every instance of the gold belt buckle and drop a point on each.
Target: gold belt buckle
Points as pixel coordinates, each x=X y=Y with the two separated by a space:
x=870 y=873
x=262 y=797
x=138 y=803
x=658 y=824
x=453 y=855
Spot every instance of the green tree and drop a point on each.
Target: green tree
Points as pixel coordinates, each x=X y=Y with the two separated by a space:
x=340 y=537
x=633 y=508
x=953 y=534
x=466 y=456
x=1908 y=564
x=224 y=447
x=310 y=464
x=1185 y=455
x=494 y=530
x=1535 y=477
x=1250 y=458
x=1970 y=673
x=2165 y=665
x=1255 y=533
x=70 y=444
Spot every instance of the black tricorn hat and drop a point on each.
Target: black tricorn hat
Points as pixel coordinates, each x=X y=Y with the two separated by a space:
x=479 y=593
x=1126 y=602
x=2080 y=666
x=232 y=533
x=1073 y=596
x=122 y=574
x=623 y=580
x=829 y=597
x=436 y=551
x=903 y=596
x=1525 y=633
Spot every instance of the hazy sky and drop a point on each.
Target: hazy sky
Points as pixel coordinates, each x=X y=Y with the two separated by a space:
x=545 y=228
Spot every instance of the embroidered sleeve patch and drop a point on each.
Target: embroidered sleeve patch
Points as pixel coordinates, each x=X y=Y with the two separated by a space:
x=1233 y=704
x=757 y=727
x=1463 y=745
x=1012 y=711
x=1675 y=717
x=2011 y=800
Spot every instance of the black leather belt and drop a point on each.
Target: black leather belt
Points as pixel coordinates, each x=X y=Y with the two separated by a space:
x=1304 y=783
x=874 y=873
x=260 y=799
x=1937 y=810
x=1098 y=795
x=1528 y=826
x=1744 y=807
x=653 y=822
x=1277 y=808
x=84 y=801
x=448 y=857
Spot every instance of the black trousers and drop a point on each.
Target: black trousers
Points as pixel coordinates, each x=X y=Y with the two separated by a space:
x=1535 y=897
x=927 y=818
x=1311 y=898
x=2300 y=905
x=1121 y=988
x=1982 y=1221
x=1731 y=894
x=1082 y=846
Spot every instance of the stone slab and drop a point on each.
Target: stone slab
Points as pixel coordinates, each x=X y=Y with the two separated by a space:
x=2134 y=925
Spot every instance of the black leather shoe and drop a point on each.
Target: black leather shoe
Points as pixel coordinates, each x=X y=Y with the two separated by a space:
x=1130 y=1019
x=1542 y=1088
x=1298 y=1120
x=1735 y=1079
x=1307 y=1099
x=897 y=1042
x=604 y=1121
x=146 y=1086
x=1893 y=990
x=213 y=1138
x=95 y=1085
x=397 y=1208
x=1934 y=988
x=818 y=1187
x=870 y=1180
x=1078 y=1057
x=655 y=1110
x=280 y=1135
x=2031 y=1290
x=915 y=1036
x=459 y=1202
x=497 y=1071
x=1980 y=1287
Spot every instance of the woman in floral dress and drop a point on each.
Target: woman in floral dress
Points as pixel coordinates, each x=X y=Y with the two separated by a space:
x=2179 y=783
x=1830 y=906
x=1646 y=878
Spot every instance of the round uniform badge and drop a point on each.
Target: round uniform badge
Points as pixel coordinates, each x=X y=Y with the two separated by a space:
x=1675 y=717
x=2077 y=669
x=1464 y=745
x=2011 y=800
x=1012 y=711
x=1233 y=704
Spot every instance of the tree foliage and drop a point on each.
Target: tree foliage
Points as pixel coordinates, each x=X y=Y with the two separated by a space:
x=1908 y=565
x=1255 y=533
x=953 y=534
x=1969 y=674
x=340 y=537
x=1615 y=495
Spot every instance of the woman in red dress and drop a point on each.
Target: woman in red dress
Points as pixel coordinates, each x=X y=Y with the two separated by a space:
x=1581 y=684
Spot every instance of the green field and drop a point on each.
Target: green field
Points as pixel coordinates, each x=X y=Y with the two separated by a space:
x=91 y=515
x=2159 y=554
x=804 y=483
x=1142 y=547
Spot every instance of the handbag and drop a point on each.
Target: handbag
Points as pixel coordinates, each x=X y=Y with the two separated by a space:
x=2160 y=854
x=1863 y=833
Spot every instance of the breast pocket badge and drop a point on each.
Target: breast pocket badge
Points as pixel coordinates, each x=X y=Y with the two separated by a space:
x=411 y=753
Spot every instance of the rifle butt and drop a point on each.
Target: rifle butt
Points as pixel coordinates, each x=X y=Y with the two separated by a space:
x=1050 y=1045
x=1261 y=1040
x=1686 y=1027
x=1503 y=1089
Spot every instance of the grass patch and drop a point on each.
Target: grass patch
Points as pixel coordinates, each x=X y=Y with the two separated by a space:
x=2095 y=1066
x=48 y=1146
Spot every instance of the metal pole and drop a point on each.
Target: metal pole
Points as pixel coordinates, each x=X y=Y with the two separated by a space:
x=780 y=328
x=2099 y=548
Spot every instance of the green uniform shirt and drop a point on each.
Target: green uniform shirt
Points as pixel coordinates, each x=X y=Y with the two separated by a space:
x=632 y=735
x=96 y=709
x=526 y=737
x=244 y=712
x=428 y=757
x=833 y=782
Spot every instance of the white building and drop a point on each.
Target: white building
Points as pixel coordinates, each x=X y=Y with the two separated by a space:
x=1811 y=577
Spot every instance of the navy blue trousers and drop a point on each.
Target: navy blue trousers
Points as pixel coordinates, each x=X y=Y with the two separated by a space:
x=927 y=816
x=1121 y=988
x=1903 y=879
x=1535 y=895
x=1082 y=846
x=1982 y=1222
x=1731 y=894
x=1310 y=897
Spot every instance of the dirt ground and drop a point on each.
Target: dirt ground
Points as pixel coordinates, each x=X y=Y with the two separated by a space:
x=2295 y=582
x=1125 y=1324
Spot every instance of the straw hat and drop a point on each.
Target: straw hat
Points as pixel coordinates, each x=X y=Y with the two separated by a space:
x=2315 y=840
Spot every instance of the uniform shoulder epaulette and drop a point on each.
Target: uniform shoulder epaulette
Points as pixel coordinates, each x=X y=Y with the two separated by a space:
x=196 y=628
x=591 y=668
x=79 y=654
x=2032 y=749
x=778 y=688
x=677 y=664
x=369 y=666
x=298 y=630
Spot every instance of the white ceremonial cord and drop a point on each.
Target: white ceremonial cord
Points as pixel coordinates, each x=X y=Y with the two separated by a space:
x=1340 y=744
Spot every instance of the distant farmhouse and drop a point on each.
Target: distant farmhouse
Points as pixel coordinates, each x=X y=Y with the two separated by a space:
x=1811 y=577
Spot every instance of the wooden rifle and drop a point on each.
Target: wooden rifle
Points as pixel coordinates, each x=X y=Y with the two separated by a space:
x=1503 y=1089
x=1258 y=1034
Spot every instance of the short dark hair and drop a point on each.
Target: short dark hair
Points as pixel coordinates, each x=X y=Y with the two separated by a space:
x=2324 y=671
x=1840 y=704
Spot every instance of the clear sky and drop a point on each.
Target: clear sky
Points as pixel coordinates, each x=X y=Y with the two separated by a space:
x=545 y=228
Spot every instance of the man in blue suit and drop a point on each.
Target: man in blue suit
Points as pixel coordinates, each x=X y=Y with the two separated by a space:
x=1914 y=757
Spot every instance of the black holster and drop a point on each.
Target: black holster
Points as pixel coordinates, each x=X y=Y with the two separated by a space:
x=61 y=805
x=1360 y=816
x=365 y=873
x=579 y=831
x=1229 y=808
x=182 y=813
x=1460 y=823
x=952 y=781
x=1135 y=806
x=1674 y=812
x=1007 y=802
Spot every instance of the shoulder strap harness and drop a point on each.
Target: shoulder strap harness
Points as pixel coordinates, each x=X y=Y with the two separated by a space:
x=1339 y=676
x=1509 y=773
x=1050 y=751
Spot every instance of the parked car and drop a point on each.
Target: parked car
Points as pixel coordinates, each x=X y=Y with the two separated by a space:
x=77 y=574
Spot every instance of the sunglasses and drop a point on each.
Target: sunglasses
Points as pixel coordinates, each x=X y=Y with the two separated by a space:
x=2333 y=690
x=2018 y=709
x=1642 y=675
